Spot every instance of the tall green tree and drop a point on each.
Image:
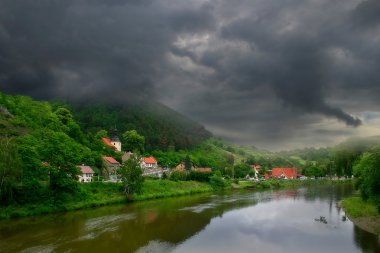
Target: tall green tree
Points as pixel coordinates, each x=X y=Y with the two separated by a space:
x=367 y=170
x=131 y=175
x=10 y=169
x=133 y=141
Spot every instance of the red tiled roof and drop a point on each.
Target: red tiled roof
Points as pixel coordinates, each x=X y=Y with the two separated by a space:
x=107 y=142
x=86 y=169
x=203 y=169
x=286 y=172
x=110 y=160
x=150 y=159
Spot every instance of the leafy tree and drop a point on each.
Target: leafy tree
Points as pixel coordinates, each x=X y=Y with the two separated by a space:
x=242 y=170
x=64 y=115
x=314 y=171
x=132 y=141
x=230 y=159
x=217 y=182
x=10 y=169
x=131 y=176
x=368 y=172
x=101 y=134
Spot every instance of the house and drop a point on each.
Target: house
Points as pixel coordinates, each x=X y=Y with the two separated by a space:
x=284 y=173
x=111 y=167
x=148 y=163
x=150 y=167
x=114 y=143
x=181 y=167
x=86 y=174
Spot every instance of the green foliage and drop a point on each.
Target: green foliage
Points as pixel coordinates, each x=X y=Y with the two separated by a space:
x=162 y=128
x=101 y=134
x=242 y=170
x=131 y=176
x=10 y=169
x=179 y=176
x=356 y=207
x=201 y=176
x=368 y=172
x=314 y=171
x=64 y=115
x=133 y=142
x=217 y=182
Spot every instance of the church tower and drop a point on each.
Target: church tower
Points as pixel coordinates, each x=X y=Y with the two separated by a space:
x=115 y=141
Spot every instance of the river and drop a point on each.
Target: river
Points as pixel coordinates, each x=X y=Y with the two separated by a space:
x=297 y=220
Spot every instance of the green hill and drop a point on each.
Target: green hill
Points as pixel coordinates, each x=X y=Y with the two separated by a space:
x=162 y=127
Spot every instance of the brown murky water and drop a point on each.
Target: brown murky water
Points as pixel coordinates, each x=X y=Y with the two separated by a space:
x=302 y=220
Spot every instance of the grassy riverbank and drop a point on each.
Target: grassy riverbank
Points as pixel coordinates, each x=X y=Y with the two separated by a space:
x=363 y=213
x=100 y=194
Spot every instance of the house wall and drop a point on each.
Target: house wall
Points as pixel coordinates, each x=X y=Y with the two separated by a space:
x=117 y=145
x=86 y=177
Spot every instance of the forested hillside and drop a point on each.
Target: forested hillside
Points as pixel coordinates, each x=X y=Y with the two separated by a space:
x=40 y=150
x=162 y=127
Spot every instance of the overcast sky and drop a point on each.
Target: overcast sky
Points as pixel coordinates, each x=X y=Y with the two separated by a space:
x=277 y=74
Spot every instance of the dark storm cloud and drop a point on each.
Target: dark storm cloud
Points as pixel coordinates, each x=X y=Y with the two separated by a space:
x=250 y=70
x=92 y=48
x=366 y=14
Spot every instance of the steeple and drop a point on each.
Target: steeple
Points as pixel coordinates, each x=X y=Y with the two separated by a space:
x=115 y=139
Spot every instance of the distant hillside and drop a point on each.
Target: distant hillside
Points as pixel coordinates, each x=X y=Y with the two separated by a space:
x=162 y=127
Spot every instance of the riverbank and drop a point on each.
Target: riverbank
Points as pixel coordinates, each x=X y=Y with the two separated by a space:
x=363 y=214
x=281 y=184
x=101 y=194
x=98 y=194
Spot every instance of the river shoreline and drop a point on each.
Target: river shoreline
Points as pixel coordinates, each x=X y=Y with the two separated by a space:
x=108 y=194
x=363 y=214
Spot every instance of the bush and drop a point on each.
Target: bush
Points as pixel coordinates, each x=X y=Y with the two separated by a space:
x=200 y=176
x=217 y=182
x=179 y=176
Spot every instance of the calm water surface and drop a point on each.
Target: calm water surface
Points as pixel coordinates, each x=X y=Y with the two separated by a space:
x=271 y=221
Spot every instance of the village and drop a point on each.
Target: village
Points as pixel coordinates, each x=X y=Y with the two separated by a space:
x=151 y=168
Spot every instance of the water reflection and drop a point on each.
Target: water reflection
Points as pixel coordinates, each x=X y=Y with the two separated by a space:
x=278 y=221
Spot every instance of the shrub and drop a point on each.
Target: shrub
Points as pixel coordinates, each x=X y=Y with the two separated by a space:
x=179 y=176
x=200 y=176
x=217 y=182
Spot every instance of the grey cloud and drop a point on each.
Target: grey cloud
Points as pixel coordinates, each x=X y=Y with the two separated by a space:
x=254 y=71
x=366 y=14
x=91 y=48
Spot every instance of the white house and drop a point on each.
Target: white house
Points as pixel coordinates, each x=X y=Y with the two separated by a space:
x=149 y=163
x=150 y=167
x=86 y=174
